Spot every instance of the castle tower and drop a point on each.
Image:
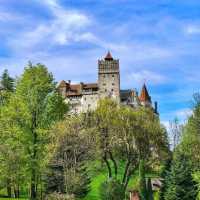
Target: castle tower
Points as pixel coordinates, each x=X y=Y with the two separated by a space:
x=109 y=77
x=145 y=99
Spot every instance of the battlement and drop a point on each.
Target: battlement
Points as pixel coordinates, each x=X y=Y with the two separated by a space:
x=108 y=66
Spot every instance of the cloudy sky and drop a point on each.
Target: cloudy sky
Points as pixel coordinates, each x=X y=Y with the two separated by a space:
x=157 y=41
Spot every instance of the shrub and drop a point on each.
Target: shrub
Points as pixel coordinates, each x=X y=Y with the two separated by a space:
x=59 y=196
x=112 y=190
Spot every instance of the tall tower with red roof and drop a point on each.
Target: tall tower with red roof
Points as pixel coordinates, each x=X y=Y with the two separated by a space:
x=109 y=77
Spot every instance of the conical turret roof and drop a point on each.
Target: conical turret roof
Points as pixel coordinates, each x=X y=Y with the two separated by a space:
x=108 y=56
x=144 y=96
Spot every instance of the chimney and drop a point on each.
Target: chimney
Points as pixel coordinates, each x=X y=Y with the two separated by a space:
x=156 y=107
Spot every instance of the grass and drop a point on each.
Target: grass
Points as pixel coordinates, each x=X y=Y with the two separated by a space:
x=12 y=199
x=98 y=172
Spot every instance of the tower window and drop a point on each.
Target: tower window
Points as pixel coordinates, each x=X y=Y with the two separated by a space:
x=105 y=90
x=113 y=84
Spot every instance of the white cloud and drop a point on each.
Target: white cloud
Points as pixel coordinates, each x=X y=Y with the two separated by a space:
x=149 y=76
x=192 y=29
x=66 y=26
x=51 y=2
x=6 y=16
x=183 y=113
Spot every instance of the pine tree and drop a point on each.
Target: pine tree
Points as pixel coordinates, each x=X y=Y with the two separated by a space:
x=179 y=182
x=6 y=87
x=7 y=82
x=164 y=175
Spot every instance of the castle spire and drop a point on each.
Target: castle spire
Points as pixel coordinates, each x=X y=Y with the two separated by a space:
x=108 y=56
x=144 y=96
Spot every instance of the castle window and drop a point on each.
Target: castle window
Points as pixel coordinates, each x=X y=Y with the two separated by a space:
x=105 y=90
x=113 y=84
x=113 y=75
x=112 y=90
x=104 y=84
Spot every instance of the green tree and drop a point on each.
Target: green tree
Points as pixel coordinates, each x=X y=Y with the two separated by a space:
x=196 y=177
x=12 y=171
x=128 y=135
x=6 y=87
x=179 y=182
x=71 y=152
x=6 y=81
x=32 y=110
x=190 y=142
x=142 y=181
x=163 y=175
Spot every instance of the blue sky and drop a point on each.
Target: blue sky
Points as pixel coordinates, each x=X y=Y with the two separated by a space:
x=156 y=41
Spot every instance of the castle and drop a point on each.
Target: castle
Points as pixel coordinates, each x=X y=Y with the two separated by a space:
x=84 y=96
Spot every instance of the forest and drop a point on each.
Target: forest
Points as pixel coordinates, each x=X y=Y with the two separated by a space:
x=109 y=153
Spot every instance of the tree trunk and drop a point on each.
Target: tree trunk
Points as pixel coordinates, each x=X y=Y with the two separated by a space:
x=33 y=171
x=16 y=191
x=114 y=163
x=33 y=185
x=9 y=189
x=108 y=165
x=126 y=171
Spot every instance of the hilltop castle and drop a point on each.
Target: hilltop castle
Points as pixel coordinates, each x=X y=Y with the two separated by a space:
x=84 y=96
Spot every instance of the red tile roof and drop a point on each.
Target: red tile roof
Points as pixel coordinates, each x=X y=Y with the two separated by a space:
x=144 y=96
x=108 y=56
x=76 y=89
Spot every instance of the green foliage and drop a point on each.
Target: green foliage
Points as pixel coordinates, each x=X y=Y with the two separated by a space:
x=25 y=121
x=196 y=177
x=71 y=149
x=6 y=82
x=6 y=87
x=164 y=174
x=142 y=181
x=179 y=182
x=127 y=134
x=149 y=190
x=190 y=143
x=112 y=190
